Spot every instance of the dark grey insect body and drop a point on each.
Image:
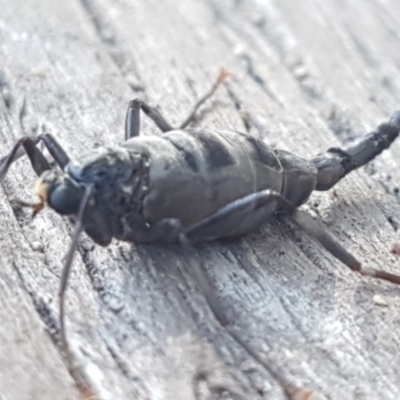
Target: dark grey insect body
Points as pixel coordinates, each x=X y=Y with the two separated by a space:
x=151 y=188
x=190 y=184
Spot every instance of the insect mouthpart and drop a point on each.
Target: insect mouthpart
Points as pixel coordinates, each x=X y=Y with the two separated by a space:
x=42 y=190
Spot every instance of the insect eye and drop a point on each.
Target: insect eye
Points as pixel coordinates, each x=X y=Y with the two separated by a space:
x=65 y=198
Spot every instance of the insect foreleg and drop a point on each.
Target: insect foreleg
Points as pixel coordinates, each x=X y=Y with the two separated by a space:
x=55 y=149
x=38 y=161
x=36 y=157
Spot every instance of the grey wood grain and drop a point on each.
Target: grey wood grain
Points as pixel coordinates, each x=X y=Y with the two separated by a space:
x=305 y=77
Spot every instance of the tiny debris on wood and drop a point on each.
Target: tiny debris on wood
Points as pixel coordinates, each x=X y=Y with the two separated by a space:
x=380 y=301
x=396 y=249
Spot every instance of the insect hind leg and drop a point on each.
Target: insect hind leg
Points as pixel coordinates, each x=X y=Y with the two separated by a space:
x=234 y=216
x=336 y=163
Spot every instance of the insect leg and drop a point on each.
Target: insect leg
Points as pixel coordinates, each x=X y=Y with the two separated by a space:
x=336 y=163
x=55 y=149
x=309 y=225
x=236 y=218
x=27 y=145
x=132 y=121
x=38 y=161
x=236 y=215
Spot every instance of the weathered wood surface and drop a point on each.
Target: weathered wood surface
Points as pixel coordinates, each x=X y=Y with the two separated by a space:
x=306 y=75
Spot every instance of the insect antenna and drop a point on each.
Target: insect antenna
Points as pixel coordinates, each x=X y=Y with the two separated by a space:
x=68 y=263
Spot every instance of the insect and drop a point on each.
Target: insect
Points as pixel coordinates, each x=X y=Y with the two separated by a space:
x=189 y=184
